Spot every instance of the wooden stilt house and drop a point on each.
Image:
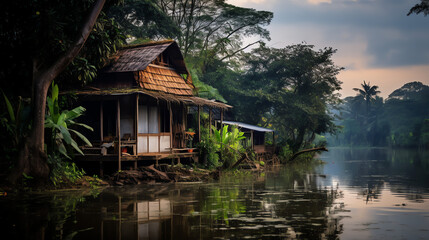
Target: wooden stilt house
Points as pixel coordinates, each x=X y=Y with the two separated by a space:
x=138 y=106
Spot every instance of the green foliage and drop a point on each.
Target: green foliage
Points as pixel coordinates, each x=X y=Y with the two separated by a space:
x=320 y=141
x=204 y=90
x=399 y=121
x=60 y=124
x=290 y=88
x=14 y=126
x=213 y=29
x=37 y=33
x=424 y=134
x=228 y=143
x=143 y=19
x=285 y=153
x=368 y=93
x=208 y=149
x=16 y=123
x=104 y=41
x=63 y=172
x=221 y=144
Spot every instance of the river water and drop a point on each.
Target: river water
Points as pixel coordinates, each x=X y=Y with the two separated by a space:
x=355 y=194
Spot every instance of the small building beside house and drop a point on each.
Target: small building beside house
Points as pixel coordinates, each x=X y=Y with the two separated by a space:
x=255 y=137
x=138 y=106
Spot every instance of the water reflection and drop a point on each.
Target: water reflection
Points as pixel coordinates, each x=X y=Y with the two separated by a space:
x=385 y=191
x=358 y=194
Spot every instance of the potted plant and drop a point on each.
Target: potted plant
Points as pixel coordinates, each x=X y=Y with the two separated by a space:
x=190 y=137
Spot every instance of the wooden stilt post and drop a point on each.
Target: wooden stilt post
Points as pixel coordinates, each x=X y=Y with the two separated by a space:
x=159 y=126
x=185 y=116
x=199 y=123
x=210 y=121
x=148 y=129
x=251 y=140
x=183 y=143
x=101 y=137
x=221 y=117
x=118 y=125
x=171 y=126
x=137 y=124
x=101 y=122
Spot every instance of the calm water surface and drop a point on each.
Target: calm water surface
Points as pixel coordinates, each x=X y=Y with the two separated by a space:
x=356 y=194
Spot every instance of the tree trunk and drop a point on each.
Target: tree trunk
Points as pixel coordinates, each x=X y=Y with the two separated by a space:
x=32 y=158
x=306 y=151
x=298 y=141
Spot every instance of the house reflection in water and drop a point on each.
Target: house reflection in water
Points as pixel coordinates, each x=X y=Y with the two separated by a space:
x=152 y=210
x=140 y=220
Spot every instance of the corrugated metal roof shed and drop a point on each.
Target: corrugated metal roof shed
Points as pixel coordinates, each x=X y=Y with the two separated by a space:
x=248 y=126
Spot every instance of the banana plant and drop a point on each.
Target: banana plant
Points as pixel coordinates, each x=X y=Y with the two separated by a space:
x=228 y=139
x=17 y=123
x=60 y=123
x=228 y=143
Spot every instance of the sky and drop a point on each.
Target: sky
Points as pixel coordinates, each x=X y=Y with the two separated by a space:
x=375 y=39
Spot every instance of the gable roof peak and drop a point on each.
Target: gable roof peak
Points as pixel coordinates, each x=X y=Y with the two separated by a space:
x=137 y=57
x=149 y=43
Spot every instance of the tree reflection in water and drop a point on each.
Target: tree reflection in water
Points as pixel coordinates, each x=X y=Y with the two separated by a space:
x=287 y=202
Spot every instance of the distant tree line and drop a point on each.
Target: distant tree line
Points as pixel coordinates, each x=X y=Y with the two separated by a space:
x=402 y=120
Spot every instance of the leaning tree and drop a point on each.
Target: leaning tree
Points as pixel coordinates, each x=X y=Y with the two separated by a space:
x=41 y=39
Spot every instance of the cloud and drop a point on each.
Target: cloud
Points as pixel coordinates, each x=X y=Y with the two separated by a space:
x=375 y=39
x=351 y=46
x=317 y=2
x=387 y=36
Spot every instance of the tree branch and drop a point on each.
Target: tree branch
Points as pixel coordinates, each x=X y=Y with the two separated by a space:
x=306 y=151
x=239 y=50
x=75 y=48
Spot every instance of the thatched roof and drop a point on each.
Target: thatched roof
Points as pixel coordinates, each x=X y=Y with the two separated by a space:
x=168 y=75
x=162 y=79
x=171 y=83
x=138 y=57
x=187 y=100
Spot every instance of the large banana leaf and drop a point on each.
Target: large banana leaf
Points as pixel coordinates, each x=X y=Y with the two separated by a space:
x=9 y=108
x=80 y=124
x=60 y=124
x=74 y=113
x=81 y=136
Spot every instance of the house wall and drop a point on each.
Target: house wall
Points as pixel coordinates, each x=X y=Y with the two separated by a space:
x=128 y=116
x=152 y=137
x=149 y=129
